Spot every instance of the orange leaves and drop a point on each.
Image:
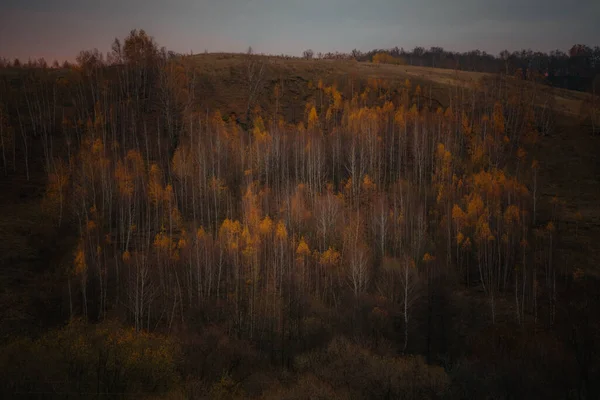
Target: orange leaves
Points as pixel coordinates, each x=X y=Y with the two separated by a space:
x=460 y=238
x=302 y=250
x=163 y=242
x=449 y=114
x=336 y=100
x=313 y=119
x=80 y=262
x=200 y=233
x=535 y=165
x=427 y=258
x=155 y=190
x=97 y=147
x=229 y=234
x=467 y=127
x=217 y=184
x=388 y=108
x=413 y=112
x=266 y=226
x=280 y=231
x=230 y=228
x=259 y=132
x=483 y=232
x=367 y=184
x=385 y=58
x=183 y=241
x=166 y=246
x=490 y=184
x=58 y=181
x=91 y=226
x=249 y=243
x=399 y=118
x=512 y=215
x=330 y=257
x=475 y=207
x=250 y=203
x=444 y=164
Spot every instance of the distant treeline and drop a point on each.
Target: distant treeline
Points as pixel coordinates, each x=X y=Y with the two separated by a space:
x=578 y=69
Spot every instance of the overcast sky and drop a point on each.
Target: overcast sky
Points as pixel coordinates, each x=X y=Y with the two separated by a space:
x=59 y=29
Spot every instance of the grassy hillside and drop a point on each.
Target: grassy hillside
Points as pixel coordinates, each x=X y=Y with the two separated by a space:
x=224 y=76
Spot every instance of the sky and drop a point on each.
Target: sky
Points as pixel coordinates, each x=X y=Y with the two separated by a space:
x=59 y=29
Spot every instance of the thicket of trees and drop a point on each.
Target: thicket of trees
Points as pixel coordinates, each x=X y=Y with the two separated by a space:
x=363 y=221
x=576 y=69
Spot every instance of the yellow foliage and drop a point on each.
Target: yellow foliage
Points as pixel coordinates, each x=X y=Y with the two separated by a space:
x=259 y=131
x=368 y=183
x=313 y=118
x=200 y=233
x=266 y=226
x=91 y=225
x=337 y=100
x=466 y=246
x=330 y=257
x=155 y=190
x=475 y=207
x=217 y=184
x=230 y=228
x=428 y=258
x=98 y=146
x=302 y=249
x=176 y=216
x=281 y=231
x=460 y=238
x=247 y=237
x=183 y=242
x=512 y=215
x=399 y=116
x=385 y=58
x=80 y=263
x=135 y=158
x=483 y=231
x=449 y=113
x=163 y=243
x=466 y=124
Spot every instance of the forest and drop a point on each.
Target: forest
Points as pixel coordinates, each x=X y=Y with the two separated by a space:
x=576 y=69
x=333 y=237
